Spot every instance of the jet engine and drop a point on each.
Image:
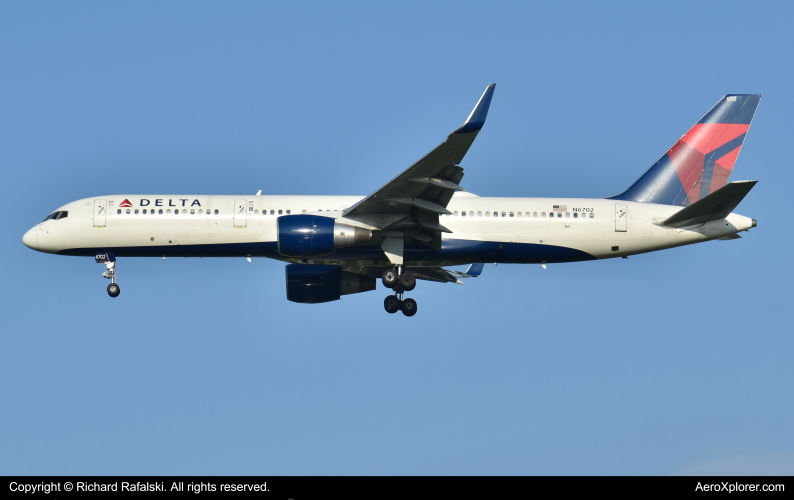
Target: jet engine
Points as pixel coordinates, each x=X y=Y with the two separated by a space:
x=310 y=284
x=309 y=235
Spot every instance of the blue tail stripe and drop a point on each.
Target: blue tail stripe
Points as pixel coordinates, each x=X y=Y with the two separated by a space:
x=740 y=111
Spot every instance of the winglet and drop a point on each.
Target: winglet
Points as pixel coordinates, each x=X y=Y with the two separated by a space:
x=475 y=270
x=476 y=119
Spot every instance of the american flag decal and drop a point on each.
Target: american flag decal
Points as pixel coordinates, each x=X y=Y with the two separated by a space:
x=560 y=208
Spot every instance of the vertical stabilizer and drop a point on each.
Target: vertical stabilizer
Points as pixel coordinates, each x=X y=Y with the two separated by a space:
x=702 y=160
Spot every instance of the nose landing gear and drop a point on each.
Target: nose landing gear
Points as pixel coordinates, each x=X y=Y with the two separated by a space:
x=110 y=263
x=399 y=281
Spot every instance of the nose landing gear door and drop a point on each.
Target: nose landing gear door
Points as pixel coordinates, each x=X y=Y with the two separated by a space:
x=100 y=211
x=240 y=213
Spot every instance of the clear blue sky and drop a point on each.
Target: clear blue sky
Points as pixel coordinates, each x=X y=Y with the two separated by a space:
x=665 y=363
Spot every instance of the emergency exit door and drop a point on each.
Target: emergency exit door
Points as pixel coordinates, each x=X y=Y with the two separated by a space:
x=240 y=213
x=621 y=218
x=100 y=212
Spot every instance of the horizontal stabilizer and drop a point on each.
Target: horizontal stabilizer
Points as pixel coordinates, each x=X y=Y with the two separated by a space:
x=714 y=206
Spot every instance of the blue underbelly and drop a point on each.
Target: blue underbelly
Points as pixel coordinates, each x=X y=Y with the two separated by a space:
x=453 y=252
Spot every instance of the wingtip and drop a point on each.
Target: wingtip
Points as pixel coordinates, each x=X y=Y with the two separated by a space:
x=476 y=119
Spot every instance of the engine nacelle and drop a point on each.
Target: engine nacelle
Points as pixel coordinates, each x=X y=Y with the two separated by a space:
x=309 y=284
x=309 y=235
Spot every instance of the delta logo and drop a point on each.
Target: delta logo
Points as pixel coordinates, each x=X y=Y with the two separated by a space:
x=158 y=203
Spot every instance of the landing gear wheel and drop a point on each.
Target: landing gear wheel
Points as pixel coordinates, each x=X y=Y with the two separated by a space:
x=114 y=290
x=390 y=278
x=408 y=281
x=392 y=304
x=409 y=307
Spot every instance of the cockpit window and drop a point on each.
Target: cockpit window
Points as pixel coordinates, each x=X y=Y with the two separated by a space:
x=56 y=216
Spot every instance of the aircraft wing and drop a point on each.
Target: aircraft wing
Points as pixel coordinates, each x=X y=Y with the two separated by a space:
x=417 y=196
x=445 y=275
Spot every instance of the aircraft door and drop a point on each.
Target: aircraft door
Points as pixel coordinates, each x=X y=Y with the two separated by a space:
x=100 y=212
x=240 y=213
x=621 y=218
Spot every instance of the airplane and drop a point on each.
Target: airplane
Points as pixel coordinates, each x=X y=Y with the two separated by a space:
x=423 y=220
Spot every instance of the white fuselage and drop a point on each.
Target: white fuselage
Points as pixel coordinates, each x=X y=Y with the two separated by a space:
x=510 y=230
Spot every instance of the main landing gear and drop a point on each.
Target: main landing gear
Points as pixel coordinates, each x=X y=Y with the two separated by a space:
x=399 y=281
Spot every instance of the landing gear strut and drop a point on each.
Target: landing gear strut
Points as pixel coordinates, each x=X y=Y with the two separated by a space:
x=110 y=263
x=399 y=281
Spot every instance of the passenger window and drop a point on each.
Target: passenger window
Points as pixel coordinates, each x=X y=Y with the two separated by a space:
x=136 y=211
x=176 y=211
x=168 y=211
x=144 y=211
x=302 y=211
x=279 y=212
x=511 y=214
x=160 y=211
x=487 y=214
x=559 y=215
x=455 y=213
x=518 y=214
x=479 y=214
x=503 y=214
x=463 y=214
x=592 y=215
x=192 y=211
x=543 y=214
x=288 y=212
x=551 y=215
x=471 y=214
x=575 y=215
x=496 y=214
x=200 y=211
x=534 y=214
x=117 y=211
x=567 y=214
x=272 y=212
x=216 y=211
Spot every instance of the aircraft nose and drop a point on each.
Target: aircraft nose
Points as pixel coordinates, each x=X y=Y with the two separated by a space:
x=31 y=240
